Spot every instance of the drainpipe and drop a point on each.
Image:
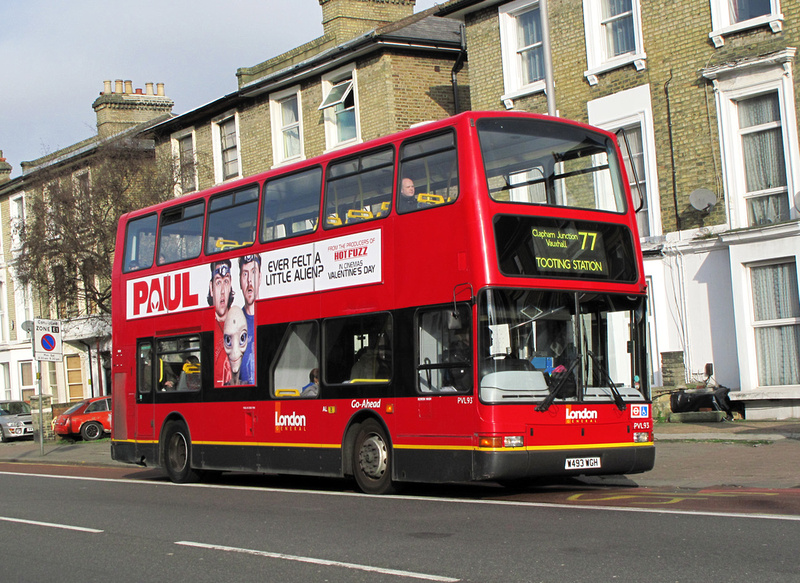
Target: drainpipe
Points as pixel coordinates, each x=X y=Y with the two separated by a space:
x=549 y=85
x=672 y=155
x=457 y=67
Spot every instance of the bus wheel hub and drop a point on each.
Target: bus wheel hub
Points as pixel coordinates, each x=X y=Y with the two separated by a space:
x=372 y=457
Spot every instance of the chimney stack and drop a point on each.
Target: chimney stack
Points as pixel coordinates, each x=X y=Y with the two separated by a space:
x=5 y=169
x=125 y=107
x=346 y=19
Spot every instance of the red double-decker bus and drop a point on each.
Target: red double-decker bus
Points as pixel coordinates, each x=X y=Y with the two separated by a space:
x=461 y=301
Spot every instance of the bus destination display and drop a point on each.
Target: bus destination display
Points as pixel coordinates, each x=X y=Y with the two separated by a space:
x=570 y=251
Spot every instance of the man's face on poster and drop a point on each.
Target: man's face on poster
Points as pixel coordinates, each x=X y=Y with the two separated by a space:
x=221 y=290
x=248 y=280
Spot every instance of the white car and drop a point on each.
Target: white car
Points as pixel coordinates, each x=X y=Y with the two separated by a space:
x=15 y=420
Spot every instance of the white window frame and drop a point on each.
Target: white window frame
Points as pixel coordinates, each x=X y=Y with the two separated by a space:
x=765 y=324
x=23 y=309
x=733 y=83
x=17 y=218
x=722 y=24
x=216 y=144
x=328 y=82
x=4 y=328
x=596 y=58
x=276 y=101
x=624 y=109
x=175 y=145
x=5 y=381
x=34 y=371
x=509 y=45
x=78 y=177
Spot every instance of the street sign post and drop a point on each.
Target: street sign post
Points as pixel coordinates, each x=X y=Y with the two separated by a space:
x=46 y=348
x=47 y=340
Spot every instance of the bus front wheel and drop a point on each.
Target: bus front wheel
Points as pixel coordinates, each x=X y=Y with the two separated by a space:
x=372 y=460
x=178 y=454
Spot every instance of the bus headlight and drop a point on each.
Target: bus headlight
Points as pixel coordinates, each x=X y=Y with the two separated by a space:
x=513 y=441
x=641 y=437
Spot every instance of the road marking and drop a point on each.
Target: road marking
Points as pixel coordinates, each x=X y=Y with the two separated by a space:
x=439 y=500
x=51 y=525
x=324 y=562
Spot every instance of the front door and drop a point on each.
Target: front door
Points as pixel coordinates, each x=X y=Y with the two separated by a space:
x=145 y=409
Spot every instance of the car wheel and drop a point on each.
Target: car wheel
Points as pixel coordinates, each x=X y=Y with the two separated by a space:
x=177 y=454
x=2 y=435
x=91 y=431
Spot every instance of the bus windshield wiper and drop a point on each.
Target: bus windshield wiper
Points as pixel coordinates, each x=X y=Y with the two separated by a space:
x=548 y=400
x=617 y=397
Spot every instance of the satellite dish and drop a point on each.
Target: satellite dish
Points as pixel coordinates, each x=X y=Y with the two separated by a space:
x=702 y=200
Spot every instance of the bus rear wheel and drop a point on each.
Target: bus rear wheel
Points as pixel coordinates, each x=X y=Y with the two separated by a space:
x=177 y=450
x=372 y=459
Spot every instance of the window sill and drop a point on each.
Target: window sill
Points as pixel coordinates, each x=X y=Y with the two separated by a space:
x=774 y=21
x=638 y=60
x=287 y=161
x=532 y=89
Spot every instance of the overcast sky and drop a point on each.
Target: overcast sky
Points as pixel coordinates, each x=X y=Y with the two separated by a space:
x=57 y=53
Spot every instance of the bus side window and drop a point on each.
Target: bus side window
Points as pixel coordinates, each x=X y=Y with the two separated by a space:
x=359 y=189
x=428 y=174
x=444 y=360
x=291 y=205
x=296 y=369
x=140 y=243
x=179 y=363
x=181 y=233
x=232 y=220
x=144 y=368
x=358 y=349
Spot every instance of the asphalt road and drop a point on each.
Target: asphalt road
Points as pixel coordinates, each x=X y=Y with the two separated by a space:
x=139 y=528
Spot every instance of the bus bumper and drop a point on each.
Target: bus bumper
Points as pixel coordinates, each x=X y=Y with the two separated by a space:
x=505 y=465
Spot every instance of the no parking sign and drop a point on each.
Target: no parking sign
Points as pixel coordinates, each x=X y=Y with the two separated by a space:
x=47 y=340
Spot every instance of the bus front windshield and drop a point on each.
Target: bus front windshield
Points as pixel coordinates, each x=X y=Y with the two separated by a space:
x=550 y=346
x=540 y=162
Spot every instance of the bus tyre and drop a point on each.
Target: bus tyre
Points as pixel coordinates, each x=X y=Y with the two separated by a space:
x=372 y=460
x=91 y=431
x=177 y=450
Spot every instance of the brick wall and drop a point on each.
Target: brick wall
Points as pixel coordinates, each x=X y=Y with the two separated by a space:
x=673 y=369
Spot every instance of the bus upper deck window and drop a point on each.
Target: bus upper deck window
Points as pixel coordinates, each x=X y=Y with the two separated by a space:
x=428 y=173
x=181 y=233
x=539 y=162
x=359 y=189
x=291 y=205
x=232 y=220
x=140 y=243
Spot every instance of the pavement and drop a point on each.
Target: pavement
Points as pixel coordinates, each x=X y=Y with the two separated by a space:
x=741 y=454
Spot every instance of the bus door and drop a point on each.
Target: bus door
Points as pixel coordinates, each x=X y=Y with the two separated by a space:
x=145 y=407
x=444 y=394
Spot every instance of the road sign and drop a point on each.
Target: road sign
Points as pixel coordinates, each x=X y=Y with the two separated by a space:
x=47 y=340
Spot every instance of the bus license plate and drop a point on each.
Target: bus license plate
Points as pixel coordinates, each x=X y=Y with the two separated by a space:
x=580 y=463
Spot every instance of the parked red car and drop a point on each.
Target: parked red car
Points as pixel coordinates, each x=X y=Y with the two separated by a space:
x=90 y=419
